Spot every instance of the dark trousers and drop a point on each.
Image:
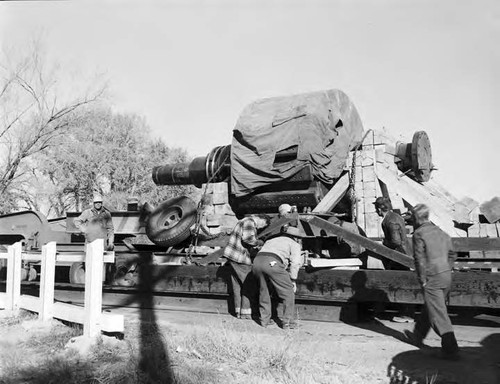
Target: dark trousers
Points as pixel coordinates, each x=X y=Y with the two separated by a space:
x=244 y=287
x=272 y=269
x=434 y=314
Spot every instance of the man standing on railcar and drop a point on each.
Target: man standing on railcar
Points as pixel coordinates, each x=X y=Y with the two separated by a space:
x=96 y=223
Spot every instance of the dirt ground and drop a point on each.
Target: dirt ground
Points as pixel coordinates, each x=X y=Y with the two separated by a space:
x=335 y=353
x=373 y=352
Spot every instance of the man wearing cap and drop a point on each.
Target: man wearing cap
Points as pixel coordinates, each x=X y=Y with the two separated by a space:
x=393 y=226
x=240 y=250
x=434 y=256
x=271 y=263
x=96 y=223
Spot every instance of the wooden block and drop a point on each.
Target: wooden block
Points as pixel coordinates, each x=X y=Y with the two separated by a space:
x=473 y=231
x=369 y=207
x=367 y=161
x=220 y=188
x=369 y=191
x=30 y=303
x=329 y=263
x=368 y=174
x=374 y=263
x=223 y=209
x=219 y=198
x=213 y=220
x=372 y=224
x=491 y=209
x=491 y=230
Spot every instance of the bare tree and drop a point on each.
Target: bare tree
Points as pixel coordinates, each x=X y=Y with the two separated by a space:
x=36 y=108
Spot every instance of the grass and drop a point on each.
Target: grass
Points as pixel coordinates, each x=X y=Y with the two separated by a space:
x=224 y=351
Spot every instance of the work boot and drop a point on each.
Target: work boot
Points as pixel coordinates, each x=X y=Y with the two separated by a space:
x=413 y=339
x=449 y=346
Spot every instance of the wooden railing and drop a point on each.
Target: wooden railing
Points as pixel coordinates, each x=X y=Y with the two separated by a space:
x=91 y=316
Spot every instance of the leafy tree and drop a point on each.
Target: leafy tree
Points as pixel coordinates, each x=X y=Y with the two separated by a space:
x=35 y=111
x=110 y=153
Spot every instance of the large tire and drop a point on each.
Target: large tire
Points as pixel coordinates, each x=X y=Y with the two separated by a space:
x=170 y=223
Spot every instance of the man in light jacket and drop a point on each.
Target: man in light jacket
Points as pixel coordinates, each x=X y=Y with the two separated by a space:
x=271 y=263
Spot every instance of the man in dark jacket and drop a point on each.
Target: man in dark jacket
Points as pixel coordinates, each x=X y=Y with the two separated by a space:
x=96 y=223
x=393 y=226
x=433 y=255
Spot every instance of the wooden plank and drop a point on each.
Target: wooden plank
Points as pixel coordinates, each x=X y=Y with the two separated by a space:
x=329 y=263
x=466 y=244
x=368 y=174
x=67 y=257
x=47 y=281
x=373 y=246
x=372 y=224
x=334 y=195
x=107 y=322
x=474 y=231
x=491 y=209
x=3 y=300
x=187 y=283
x=369 y=191
x=93 y=288
x=415 y=193
x=30 y=303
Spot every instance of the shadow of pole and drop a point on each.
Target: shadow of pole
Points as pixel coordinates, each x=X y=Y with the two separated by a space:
x=154 y=361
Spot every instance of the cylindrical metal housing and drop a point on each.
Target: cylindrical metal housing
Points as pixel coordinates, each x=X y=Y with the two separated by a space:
x=214 y=168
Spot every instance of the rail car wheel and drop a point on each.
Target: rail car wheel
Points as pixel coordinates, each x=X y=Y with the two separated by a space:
x=77 y=273
x=170 y=222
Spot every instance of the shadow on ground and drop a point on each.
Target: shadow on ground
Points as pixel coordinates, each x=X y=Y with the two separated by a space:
x=477 y=365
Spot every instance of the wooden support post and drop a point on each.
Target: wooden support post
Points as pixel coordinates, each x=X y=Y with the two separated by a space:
x=47 y=281
x=93 y=288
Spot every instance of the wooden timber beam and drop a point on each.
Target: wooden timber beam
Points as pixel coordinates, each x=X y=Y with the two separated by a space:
x=466 y=244
x=330 y=229
x=415 y=193
x=334 y=195
x=322 y=286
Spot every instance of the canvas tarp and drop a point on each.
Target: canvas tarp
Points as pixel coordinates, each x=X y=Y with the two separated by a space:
x=322 y=126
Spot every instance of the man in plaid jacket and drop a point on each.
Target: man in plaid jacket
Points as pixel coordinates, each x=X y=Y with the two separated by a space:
x=240 y=250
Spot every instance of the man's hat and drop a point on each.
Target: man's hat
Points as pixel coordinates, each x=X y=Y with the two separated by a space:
x=284 y=209
x=383 y=202
x=97 y=198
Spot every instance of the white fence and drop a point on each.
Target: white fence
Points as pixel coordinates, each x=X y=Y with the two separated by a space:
x=91 y=316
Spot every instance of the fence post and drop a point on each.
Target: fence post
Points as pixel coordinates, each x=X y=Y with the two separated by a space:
x=13 y=289
x=93 y=288
x=9 y=288
x=47 y=281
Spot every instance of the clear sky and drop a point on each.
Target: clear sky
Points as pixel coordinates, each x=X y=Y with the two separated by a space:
x=190 y=67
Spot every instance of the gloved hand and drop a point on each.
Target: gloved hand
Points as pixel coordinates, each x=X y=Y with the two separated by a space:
x=260 y=243
x=110 y=247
